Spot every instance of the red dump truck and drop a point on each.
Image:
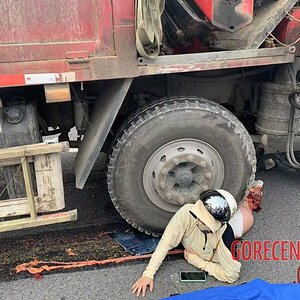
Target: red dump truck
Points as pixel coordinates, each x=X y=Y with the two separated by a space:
x=181 y=94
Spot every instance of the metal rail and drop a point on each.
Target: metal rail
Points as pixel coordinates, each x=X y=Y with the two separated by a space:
x=215 y=60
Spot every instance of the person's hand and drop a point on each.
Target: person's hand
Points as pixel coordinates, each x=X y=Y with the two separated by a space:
x=141 y=286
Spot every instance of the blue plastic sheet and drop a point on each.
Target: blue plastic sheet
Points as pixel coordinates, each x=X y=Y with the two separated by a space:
x=255 y=289
x=136 y=243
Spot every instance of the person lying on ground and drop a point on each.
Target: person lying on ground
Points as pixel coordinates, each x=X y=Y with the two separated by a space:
x=206 y=230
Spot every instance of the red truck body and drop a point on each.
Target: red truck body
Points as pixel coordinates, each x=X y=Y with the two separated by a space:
x=59 y=41
x=66 y=40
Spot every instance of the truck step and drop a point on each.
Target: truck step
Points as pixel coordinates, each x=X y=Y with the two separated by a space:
x=265 y=20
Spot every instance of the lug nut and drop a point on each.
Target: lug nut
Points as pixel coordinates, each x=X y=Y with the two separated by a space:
x=162 y=185
x=175 y=161
x=168 y=196
x=190 y=158
x=181 y=201
x=203 y=164
x=208 y=176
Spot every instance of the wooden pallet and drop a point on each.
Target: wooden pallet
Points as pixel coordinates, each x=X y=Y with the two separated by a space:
x=50 y=193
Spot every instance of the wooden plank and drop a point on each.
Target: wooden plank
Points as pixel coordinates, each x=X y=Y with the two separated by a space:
x=49 y=181
x=19 y=207
x=39 y=221
x=10 y=162
x=14 y=161
x=29 y=188
x=31 y=150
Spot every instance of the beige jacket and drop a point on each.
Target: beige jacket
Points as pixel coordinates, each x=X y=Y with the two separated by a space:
x=183 y=228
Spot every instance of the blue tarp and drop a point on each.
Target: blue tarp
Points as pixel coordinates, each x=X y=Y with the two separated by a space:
x=255 y=289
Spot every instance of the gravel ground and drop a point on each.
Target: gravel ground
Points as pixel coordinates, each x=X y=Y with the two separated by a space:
x=278 y=220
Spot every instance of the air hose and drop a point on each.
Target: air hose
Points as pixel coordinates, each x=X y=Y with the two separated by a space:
x=295 y=105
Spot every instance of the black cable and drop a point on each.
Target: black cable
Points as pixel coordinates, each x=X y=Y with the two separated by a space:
x=290 y=142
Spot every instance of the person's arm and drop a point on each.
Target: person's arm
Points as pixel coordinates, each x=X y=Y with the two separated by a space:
x=170 y=239
x=157 y=258
x=226 y=270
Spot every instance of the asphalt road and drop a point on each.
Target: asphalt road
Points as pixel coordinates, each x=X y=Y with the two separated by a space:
x=278 y=220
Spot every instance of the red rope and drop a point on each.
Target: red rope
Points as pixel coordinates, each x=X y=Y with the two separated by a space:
x=37 y=267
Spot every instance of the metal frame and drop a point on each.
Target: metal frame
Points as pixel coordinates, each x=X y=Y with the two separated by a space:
x=105 y=112
x=265 y=21
x=216 y=60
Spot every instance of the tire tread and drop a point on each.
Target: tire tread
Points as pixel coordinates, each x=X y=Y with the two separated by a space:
x=163 y=106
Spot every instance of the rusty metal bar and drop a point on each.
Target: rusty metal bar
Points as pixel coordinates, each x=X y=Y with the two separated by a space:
x=106 y=109
x=215 y=60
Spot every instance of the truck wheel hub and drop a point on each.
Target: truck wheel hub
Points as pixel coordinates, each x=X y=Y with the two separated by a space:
x=179 y=171
x=183 y=177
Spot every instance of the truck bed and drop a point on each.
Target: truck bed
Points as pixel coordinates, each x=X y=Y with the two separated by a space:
x=46 y=41
x=65 y=40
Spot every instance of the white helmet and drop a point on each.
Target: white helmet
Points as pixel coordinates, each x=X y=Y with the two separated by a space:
x=230 y=200
x=219 y=203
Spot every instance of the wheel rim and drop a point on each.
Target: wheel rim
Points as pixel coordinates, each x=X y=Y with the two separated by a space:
x=179 y=171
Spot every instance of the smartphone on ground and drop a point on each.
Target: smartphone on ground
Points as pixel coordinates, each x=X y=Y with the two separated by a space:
x=193 y=276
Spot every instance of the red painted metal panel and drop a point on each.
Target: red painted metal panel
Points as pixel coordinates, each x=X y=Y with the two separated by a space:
x=11 y=80
x=206 y=7
x=46 y=29
x=92 y=39
x=228 y=15
x=123 y=12
x=288 y=31
x=105 y=45
x=33 y=21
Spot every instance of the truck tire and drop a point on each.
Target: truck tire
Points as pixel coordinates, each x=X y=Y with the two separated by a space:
x=170 y=151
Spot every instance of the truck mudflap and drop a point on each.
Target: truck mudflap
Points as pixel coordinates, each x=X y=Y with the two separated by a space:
x=106 y=110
